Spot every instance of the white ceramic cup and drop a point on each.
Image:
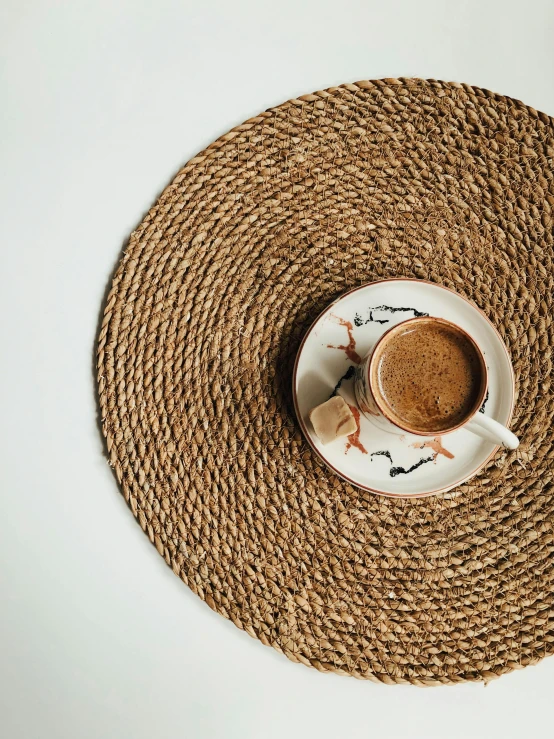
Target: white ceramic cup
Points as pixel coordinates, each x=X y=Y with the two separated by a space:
x=375 y=409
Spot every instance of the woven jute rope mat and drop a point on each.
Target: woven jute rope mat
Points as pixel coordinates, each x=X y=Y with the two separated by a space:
x=251 y=240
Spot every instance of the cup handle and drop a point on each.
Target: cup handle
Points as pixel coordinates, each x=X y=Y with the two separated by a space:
x=488 y=428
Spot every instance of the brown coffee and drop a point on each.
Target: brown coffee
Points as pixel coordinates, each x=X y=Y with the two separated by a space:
x=430 y=376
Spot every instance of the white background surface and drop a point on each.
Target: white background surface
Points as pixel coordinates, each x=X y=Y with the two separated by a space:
x=100 y=104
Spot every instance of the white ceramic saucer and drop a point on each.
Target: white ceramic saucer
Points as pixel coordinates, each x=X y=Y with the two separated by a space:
x=377 y=461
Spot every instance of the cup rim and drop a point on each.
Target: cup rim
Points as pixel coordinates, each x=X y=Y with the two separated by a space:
x=383 y=408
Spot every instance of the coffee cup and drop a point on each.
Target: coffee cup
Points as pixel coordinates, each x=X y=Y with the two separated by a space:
x=428 y=377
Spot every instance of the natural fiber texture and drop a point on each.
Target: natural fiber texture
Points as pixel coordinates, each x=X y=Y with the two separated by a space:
x=253 y=238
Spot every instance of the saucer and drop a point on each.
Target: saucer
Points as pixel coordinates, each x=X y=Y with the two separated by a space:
x=372 y=459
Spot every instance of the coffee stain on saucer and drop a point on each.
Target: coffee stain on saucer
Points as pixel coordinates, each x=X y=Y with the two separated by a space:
x=354 y=439
x=436 y=446
x=350 y=348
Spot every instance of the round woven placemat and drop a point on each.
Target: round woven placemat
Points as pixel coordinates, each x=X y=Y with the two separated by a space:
x=251 y=240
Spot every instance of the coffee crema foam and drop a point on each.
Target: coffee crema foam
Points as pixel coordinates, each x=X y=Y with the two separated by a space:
x=430 y=376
